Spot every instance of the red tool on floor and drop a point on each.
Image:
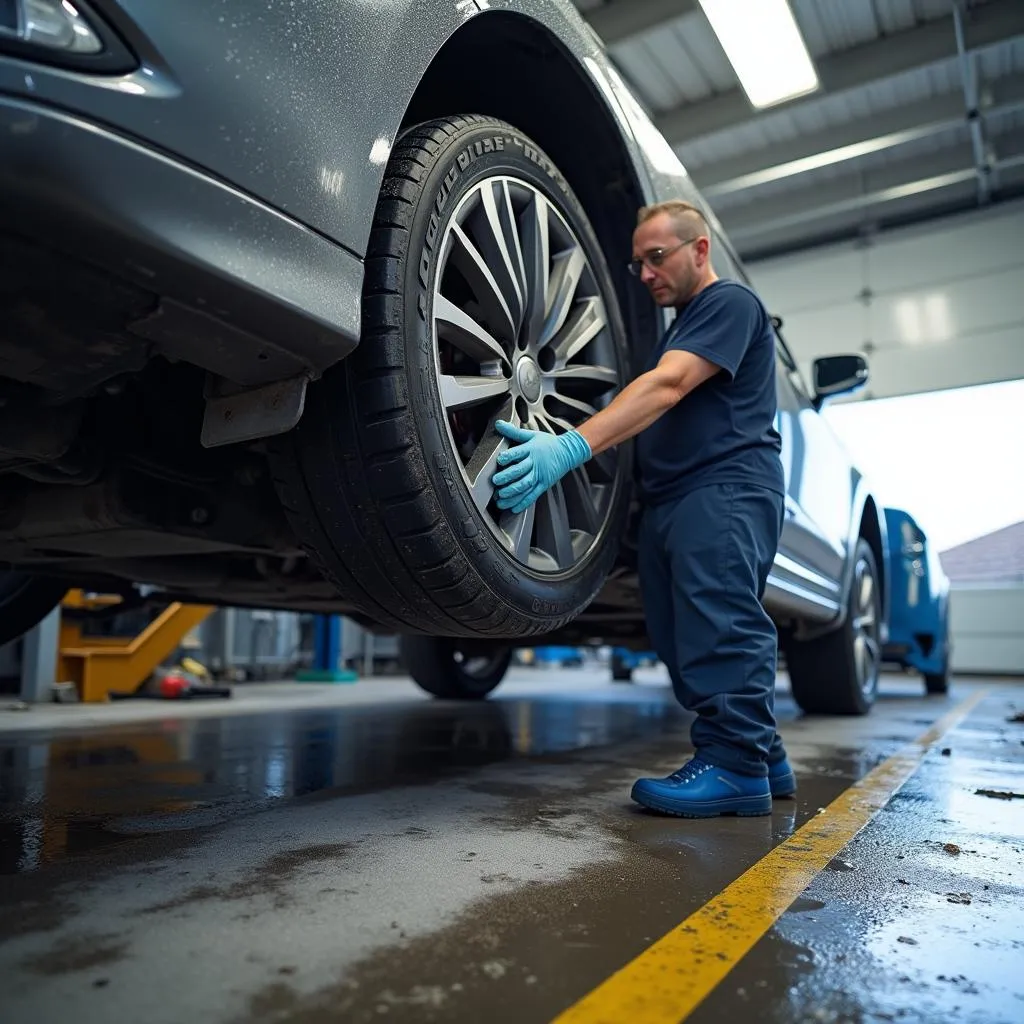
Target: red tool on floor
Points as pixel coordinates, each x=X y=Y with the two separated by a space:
x=173 y=684
x=179 y=686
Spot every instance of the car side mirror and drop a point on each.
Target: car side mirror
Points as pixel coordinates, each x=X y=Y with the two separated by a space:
x=837 y=375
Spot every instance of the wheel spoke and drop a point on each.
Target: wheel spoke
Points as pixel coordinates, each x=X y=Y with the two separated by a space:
x=584 y=324
x=859 y=657
x=460 y=392
x=461 y=330
x=482 y=466
x=580 y=502
x=867 y=592
x=518 y=528
x=499 y=243
x=565 y=277
x=554 y=536
x=471 y=263
x=604 y=376
x=581 y=407
x=533 y=230
x=872 y=649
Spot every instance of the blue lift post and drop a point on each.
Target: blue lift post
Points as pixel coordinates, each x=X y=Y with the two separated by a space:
x=327 y=654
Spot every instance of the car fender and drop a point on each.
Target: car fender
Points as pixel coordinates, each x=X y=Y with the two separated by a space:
x=296 y=108
x=867 y=520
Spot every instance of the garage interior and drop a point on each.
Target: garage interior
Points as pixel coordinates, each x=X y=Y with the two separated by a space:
x=320 y=840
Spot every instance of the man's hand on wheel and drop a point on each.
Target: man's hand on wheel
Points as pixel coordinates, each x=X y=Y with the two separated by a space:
x=536 y=463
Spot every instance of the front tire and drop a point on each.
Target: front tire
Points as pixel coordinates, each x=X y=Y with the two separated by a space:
x=454 y=670
x=837 y=674
x=486 y=297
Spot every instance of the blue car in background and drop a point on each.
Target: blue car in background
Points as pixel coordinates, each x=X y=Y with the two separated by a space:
x=919 y=637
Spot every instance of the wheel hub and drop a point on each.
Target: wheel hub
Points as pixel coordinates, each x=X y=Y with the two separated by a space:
x=529 y=380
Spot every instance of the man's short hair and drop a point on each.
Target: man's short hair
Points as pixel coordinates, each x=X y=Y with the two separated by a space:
x=686 y=218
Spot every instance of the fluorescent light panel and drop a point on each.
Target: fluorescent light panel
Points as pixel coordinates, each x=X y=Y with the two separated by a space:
x=764 y=46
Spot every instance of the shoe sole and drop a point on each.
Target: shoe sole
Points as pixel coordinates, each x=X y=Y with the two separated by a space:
x=784 y=786
x=742 y=807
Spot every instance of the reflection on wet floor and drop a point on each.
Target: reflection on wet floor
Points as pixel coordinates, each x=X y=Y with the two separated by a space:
x=62 y=794
x=456 y=863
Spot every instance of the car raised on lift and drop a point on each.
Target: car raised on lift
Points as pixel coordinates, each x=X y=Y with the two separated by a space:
x=272 y=272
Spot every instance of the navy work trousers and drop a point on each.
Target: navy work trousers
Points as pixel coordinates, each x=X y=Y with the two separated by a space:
x=704 y=563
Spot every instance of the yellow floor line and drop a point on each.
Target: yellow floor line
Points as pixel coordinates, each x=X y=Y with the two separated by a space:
x=670 y=979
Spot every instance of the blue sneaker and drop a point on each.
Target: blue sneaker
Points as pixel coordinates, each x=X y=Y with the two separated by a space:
x=781 y=779
x=702 y=790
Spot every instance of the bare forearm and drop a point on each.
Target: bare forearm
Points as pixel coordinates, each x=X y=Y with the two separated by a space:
x=634 y=409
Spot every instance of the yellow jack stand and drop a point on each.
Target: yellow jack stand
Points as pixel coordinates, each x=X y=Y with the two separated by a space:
x=97 y=665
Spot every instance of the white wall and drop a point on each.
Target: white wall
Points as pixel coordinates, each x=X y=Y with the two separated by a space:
x=946 y=306
x=988 y=629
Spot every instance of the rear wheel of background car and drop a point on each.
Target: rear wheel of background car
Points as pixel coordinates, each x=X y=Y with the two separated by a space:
x=454 y=669
x=938 y=682
x=837 y=674
x=25 y=601
x=486 y=297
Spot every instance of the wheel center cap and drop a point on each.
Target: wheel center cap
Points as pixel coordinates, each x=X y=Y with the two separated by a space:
x=528 y=376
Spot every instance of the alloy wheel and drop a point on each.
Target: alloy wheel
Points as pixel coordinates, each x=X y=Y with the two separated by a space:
x=866 y=646
x=521 y=333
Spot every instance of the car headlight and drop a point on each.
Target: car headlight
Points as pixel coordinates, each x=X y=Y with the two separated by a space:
x=54 y=24
x=65 y=33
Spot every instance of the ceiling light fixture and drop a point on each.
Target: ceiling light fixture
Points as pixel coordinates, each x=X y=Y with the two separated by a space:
x=764 y=45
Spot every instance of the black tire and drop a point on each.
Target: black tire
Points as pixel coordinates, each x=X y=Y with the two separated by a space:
x=825 y=673
x=938 y=682
x=369 y=478
x=453 y=669
x=25 y=601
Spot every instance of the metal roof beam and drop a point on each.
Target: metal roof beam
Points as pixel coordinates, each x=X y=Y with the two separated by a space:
x=969 y=80
x=856 y=139
x=992 y=23
x=622 y=19
x=856 y=192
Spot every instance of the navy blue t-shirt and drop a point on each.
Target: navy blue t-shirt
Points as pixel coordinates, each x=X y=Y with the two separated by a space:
x=724 y=430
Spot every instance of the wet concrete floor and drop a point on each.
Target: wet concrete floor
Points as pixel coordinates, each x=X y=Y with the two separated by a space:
x=374 y=855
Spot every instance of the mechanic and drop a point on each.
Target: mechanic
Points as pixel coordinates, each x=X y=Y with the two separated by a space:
x=712 y=487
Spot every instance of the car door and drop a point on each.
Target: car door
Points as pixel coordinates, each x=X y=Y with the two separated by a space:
x=807 y=565
x=810 y=551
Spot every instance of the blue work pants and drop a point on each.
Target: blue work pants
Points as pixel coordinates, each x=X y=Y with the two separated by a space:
x=704 y=561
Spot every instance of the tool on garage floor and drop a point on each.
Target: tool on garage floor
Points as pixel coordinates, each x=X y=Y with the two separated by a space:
x=176 y=683
x=100 y=665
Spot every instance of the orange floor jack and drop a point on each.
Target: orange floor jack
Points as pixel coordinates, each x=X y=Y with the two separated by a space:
x=119 y=668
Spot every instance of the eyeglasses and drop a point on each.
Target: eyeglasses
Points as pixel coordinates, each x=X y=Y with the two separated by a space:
x=655 y=257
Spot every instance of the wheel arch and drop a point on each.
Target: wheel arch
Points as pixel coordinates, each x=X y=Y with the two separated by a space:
x=871 y=526
x=525 y=66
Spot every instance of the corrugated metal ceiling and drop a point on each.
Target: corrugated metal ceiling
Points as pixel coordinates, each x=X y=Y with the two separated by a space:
x=679 y=65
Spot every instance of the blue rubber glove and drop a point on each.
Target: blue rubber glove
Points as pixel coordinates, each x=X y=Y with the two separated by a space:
x=536 y=463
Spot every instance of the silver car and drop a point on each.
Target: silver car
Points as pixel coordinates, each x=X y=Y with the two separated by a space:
x=272 y=271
